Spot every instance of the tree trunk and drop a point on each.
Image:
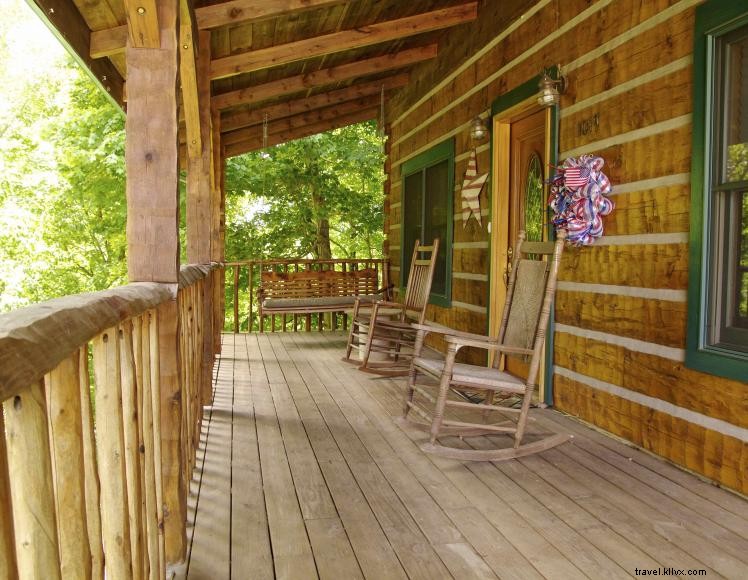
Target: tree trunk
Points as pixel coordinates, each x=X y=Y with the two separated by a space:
x=322 y=248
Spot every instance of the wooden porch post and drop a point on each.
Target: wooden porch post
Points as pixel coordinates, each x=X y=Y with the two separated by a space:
x=152 y=159
x=200 y=177
x=217 y=229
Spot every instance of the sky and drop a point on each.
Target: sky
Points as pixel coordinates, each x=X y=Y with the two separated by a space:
x=27 y=49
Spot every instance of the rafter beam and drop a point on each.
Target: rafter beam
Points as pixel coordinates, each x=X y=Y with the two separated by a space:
x=300 y=120
x=239 y=119
x=255 y=143
x=243 y=11
x=344 y=40
x=112 y=40
x=324 y=77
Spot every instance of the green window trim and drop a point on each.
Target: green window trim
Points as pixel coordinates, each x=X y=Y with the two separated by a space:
x=713 y=19
x=444 y=151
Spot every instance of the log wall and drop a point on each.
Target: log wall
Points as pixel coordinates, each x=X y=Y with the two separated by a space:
x=619 y=340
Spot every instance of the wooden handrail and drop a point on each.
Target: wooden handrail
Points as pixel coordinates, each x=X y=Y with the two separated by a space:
x=124 y=509
x=35 y=339
x=191 y=273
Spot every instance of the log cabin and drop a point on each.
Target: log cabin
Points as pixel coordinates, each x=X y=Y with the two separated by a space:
x=227 y=455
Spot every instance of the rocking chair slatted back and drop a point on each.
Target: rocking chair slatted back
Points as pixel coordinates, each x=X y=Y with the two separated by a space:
x=529 y=297
x=419 y=279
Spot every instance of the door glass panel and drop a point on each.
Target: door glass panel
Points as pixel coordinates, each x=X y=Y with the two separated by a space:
x=534 y=205
x=436 y=220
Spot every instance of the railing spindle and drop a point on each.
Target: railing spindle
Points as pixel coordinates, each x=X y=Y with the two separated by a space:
x=145 y=406
x=93 y=516
x=31 y=487
x=66 y=445
x=7 y=549
x=110 y=447
x=153 y=344
x=250 y=285
x=132 y=446
x=236 y=299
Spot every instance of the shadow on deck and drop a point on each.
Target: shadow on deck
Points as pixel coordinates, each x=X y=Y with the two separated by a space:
x=306 y=475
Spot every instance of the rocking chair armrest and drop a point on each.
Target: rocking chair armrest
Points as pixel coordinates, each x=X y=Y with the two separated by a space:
x=388 y=304
x=487 y=343
x=449 y=332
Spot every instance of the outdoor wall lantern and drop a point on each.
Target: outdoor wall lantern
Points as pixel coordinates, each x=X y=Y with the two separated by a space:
x=551 y=89
x=478 y=129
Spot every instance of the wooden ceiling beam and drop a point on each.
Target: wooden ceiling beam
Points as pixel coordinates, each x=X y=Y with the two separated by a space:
x=242 y=11
x=323 y=77
x=67 y=24
x=344 y=40
x=239 y=119
x=112 y=40
x=255 y=143
x=142 y=22
x=300 y=120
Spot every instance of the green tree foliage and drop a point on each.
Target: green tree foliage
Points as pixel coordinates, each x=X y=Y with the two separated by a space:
x=62 y=181
x=62 y=194
x=316 y=197
x=66 y=189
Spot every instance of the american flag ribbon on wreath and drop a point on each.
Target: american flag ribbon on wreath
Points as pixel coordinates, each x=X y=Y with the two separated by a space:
x=578 y=198
x=472 y=185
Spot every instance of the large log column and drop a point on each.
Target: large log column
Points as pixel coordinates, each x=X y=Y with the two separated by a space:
x=218 y=228
x=200 y=175
x=152 y=158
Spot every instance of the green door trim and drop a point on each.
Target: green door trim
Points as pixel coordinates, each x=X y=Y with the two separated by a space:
x=525 y=92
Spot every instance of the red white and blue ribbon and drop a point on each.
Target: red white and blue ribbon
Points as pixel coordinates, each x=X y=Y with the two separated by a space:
x=472 y=185
x=578 y=201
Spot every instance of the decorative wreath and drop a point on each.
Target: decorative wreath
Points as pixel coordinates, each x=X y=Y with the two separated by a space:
x=578 y=201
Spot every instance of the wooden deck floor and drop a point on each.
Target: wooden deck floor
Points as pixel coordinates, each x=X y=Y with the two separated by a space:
x=306 y=475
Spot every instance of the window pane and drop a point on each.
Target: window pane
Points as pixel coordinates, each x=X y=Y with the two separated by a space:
x=741 y=299
x=728 y=270
x=436 y=220
x=736 y=104
x=412 y=218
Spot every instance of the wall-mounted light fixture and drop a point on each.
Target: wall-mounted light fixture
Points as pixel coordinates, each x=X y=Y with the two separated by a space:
x=478 y=129
x=551 y=89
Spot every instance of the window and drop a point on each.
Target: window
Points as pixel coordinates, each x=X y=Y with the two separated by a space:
x=718 y=286
x=428 y=192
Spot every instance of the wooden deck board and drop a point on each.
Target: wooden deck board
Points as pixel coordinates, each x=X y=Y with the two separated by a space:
x=307 y=475
x=250 y=536
x=292 y=551
x=209 y=555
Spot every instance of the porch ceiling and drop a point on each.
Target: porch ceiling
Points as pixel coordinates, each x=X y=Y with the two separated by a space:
x=304 y=62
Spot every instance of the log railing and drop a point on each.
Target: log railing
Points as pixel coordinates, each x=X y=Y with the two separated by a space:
x=242 y=279
x=93 y=475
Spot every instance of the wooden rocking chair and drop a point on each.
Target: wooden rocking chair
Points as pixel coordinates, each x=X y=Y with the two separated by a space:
x=530 y=290
x=385 y=327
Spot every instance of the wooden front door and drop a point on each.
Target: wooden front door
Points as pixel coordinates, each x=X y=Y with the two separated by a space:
x=521 y=148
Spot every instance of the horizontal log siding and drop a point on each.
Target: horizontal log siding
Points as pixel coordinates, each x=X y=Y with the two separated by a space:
x=621 y=303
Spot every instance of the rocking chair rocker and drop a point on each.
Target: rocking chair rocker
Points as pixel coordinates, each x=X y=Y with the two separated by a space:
x=385 y=327
x=530 y=290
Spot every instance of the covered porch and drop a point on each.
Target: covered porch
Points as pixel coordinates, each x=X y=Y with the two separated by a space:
x=303 y=472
